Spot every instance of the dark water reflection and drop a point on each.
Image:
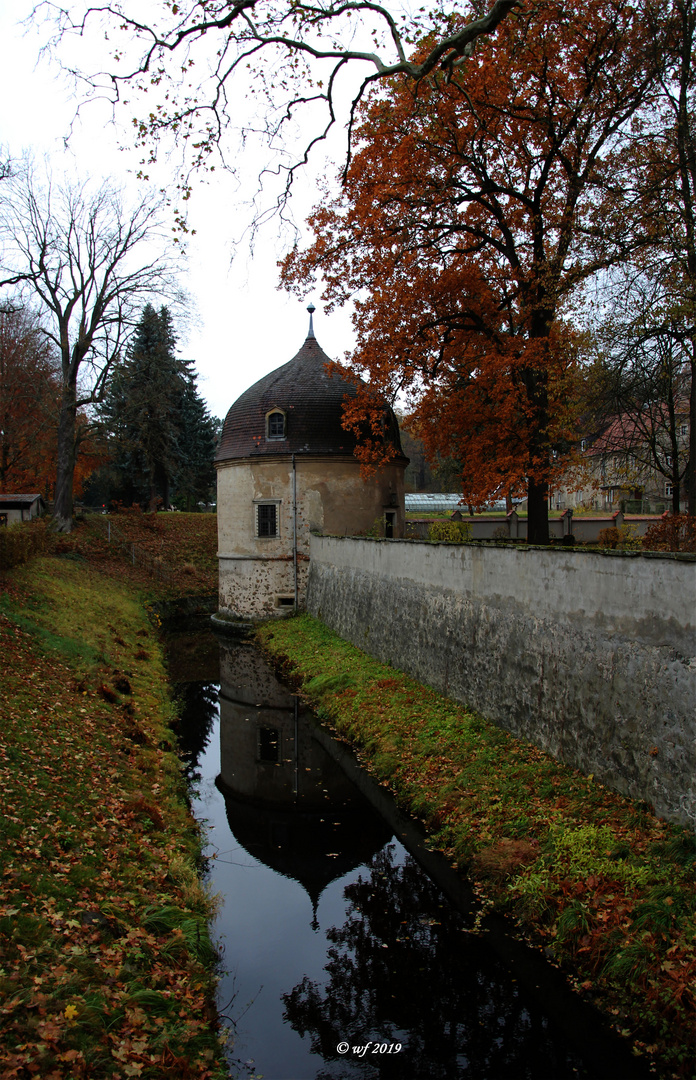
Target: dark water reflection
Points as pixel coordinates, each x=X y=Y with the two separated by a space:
x=332 y=932
x=403 y=969
x=288 y=804
x=199 y=709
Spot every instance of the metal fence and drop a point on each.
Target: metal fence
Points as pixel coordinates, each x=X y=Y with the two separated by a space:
x=136 y=552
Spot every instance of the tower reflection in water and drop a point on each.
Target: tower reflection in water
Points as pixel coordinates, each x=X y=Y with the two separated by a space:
x=288 y=804
x=391 y=962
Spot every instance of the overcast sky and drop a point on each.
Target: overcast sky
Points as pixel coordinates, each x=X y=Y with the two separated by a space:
x=243 y=326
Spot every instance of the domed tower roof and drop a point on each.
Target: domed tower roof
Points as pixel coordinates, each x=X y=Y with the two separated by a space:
x=312 y=402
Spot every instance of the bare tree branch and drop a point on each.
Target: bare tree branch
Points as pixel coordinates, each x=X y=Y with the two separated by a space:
x=202 y=58
x=91 y=263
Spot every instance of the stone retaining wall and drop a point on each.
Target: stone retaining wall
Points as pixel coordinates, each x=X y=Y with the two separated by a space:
x=590 y=655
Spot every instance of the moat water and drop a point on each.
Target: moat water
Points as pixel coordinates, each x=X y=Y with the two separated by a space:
x=341 y=956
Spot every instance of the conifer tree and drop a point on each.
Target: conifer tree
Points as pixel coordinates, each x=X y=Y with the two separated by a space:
x=195 y=474
x=161 y=435
x=140 y=407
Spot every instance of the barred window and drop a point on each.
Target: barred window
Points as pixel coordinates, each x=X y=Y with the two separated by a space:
x=266 y=519
x=268 y=748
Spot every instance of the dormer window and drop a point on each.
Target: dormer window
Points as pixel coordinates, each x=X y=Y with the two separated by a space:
x=275 y=424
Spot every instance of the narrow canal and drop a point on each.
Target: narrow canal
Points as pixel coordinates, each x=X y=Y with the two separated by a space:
x=342 y=958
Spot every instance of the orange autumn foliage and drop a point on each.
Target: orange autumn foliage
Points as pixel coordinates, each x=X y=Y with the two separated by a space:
x=29 y=408
x=470 y=215
x=29 y=396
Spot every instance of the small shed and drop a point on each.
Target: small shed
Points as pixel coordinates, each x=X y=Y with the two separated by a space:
x=14 y=508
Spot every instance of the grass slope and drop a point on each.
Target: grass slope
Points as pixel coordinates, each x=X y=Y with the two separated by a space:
x=595 y=877
x=176 y=554
x=106 y=959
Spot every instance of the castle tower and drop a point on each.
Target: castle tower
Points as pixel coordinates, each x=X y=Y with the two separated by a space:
x=285 y=467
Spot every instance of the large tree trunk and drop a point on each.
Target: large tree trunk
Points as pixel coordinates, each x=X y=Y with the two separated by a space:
x=686 y=149
x=691 y=469
x=152 y=498
x=673 y=433
x=537 y=513
x=539 y=451
x=4 y=465
x=65 y=466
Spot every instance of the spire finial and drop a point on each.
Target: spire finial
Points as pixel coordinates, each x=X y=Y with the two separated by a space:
x=311 y=309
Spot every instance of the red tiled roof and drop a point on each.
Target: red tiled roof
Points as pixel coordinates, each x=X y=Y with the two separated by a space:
x=626 y=430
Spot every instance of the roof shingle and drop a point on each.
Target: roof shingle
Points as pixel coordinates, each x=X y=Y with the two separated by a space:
x=312 y=401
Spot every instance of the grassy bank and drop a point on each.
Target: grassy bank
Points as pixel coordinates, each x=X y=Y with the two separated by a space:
x=106 y=966
x=599 y=881
x=175 y=554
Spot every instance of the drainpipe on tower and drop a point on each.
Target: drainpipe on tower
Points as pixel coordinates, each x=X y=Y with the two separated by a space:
x=294 y=527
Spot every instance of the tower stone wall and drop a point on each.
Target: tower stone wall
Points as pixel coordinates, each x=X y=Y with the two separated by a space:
x=286 y=468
